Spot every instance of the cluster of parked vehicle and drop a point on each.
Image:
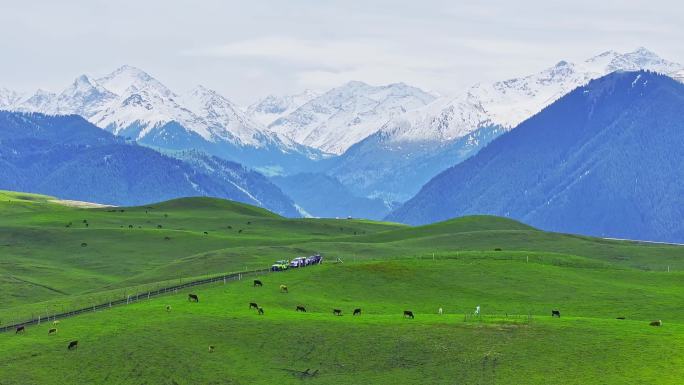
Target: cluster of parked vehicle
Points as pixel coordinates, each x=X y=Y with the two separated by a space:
x=296 y=262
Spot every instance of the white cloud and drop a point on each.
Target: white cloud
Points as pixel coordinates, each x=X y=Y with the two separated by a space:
x=249 y=49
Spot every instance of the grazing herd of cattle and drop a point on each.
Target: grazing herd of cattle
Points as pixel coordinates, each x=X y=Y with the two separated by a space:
x=52 y=331
x=300 y=308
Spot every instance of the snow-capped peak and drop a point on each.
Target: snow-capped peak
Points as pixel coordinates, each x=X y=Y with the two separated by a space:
x=641 y=58
x=223 y=116
x=343 y=116
x=273 y=107
x=129 y=79
x=9 y=98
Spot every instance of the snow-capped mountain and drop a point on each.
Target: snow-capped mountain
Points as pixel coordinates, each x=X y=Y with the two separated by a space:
x=604 y=160
x=9 y=98
x=463 y=124
x=507 y=103
x=272 y=107
x=343 y=116
x=129 y=102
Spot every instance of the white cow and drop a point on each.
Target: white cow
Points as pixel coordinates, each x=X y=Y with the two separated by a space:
x=439 y=311
x=477 y=310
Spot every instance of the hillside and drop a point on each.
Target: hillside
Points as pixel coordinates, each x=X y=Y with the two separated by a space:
x=68 y=157
x=143 y=343
x=603 y=160
x=59 y=258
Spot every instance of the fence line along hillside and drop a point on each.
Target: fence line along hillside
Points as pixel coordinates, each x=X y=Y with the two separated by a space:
x=136 y=297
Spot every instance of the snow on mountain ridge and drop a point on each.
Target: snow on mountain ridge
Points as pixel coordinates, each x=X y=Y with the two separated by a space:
x=9 y=98
x=226 y=119
x=345 y=115
x=508 y=103
x=130 y=102
x=129 y=79
x=272 y=107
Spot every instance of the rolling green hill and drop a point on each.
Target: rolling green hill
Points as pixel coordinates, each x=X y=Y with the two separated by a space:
x=516 y=273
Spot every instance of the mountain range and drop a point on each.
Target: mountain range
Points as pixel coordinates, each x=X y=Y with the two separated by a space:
x=603 y=160
x=68 y=157
x=406 y=152
x=130 y=103
x=363 y=149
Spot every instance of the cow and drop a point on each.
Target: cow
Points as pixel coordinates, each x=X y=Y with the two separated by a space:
x=52 y=331
x=283 y=289
x=253 y=305
x=408 y=314
x=337 y=312
x=168 y=307
x=261 y=311
x=72 y=345
x=656 y=323
x=20 y=329
x=357 y=312
x=555 y=313
x=257 y=283
x=193 y=298
x=55 y=322
x=211 y=348
x=620 y=317
x=301 y=308
x=440 y=311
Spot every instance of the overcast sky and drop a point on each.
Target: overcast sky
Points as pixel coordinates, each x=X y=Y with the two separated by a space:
x=253 y=48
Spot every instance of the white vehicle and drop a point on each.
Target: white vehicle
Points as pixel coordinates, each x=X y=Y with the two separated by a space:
x=298 y=262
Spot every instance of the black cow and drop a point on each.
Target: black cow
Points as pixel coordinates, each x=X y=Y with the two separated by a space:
x=261 y=311
x=253 y=305
x=337 y=312
x=408 y=314
x=20 y=329
x=620 y=318
x=52 y=331
x=357 y=312
x=72 y=345
x=258 y=283
x=555 y=313
x=193 y=298
x=301 y=308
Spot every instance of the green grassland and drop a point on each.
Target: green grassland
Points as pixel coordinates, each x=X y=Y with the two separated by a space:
x=387 y=268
